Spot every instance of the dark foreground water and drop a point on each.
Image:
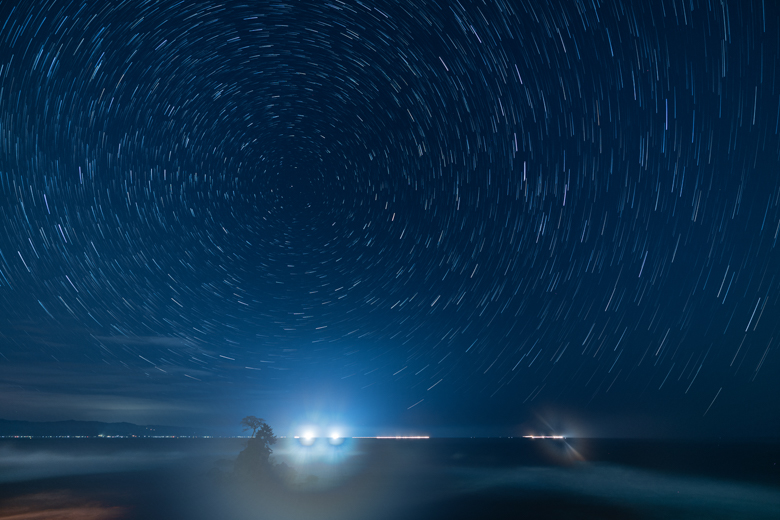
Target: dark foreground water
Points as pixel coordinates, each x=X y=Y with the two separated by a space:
x=98 y=479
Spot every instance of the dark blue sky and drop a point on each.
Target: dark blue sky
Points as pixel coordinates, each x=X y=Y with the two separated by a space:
x=455 y=217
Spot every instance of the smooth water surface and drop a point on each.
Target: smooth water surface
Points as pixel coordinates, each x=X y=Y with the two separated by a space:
x=381 y=479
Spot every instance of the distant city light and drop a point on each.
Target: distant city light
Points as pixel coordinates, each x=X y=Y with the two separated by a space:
x=397 y=437
x=308 y=439
x=543 y=437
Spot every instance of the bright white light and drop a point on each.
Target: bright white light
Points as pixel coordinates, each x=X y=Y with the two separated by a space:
x=398 y=437
x=335 y=436
x=308 y=437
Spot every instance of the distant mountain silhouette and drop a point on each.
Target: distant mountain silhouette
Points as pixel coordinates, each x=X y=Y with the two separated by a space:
x=93 y=429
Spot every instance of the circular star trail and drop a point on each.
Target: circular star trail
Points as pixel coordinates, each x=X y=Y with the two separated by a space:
x=573 y=201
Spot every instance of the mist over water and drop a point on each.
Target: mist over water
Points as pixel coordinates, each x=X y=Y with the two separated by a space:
x=372 y=479
x=29 y=459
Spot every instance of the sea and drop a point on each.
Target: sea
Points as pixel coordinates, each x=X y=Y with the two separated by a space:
x=366 y=479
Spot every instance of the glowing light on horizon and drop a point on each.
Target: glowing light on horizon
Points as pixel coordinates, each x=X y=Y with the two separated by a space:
x=543 y=437
x=397 y=437
x=307 y=439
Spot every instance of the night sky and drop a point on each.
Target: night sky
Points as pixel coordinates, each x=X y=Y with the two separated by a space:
x=466 y=217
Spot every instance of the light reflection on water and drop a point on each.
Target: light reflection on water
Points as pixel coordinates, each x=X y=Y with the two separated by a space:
x=357 y=479
x=58 y=506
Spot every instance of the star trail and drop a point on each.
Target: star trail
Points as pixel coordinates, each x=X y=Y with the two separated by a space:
x=509 y=204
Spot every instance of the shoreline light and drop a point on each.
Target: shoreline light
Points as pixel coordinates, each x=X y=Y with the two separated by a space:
x=543 y=437
x=396 y=437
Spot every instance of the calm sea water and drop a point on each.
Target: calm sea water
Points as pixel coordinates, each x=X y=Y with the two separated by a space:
x=103 y=479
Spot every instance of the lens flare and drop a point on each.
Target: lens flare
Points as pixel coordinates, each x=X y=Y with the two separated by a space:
x=308 y=438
